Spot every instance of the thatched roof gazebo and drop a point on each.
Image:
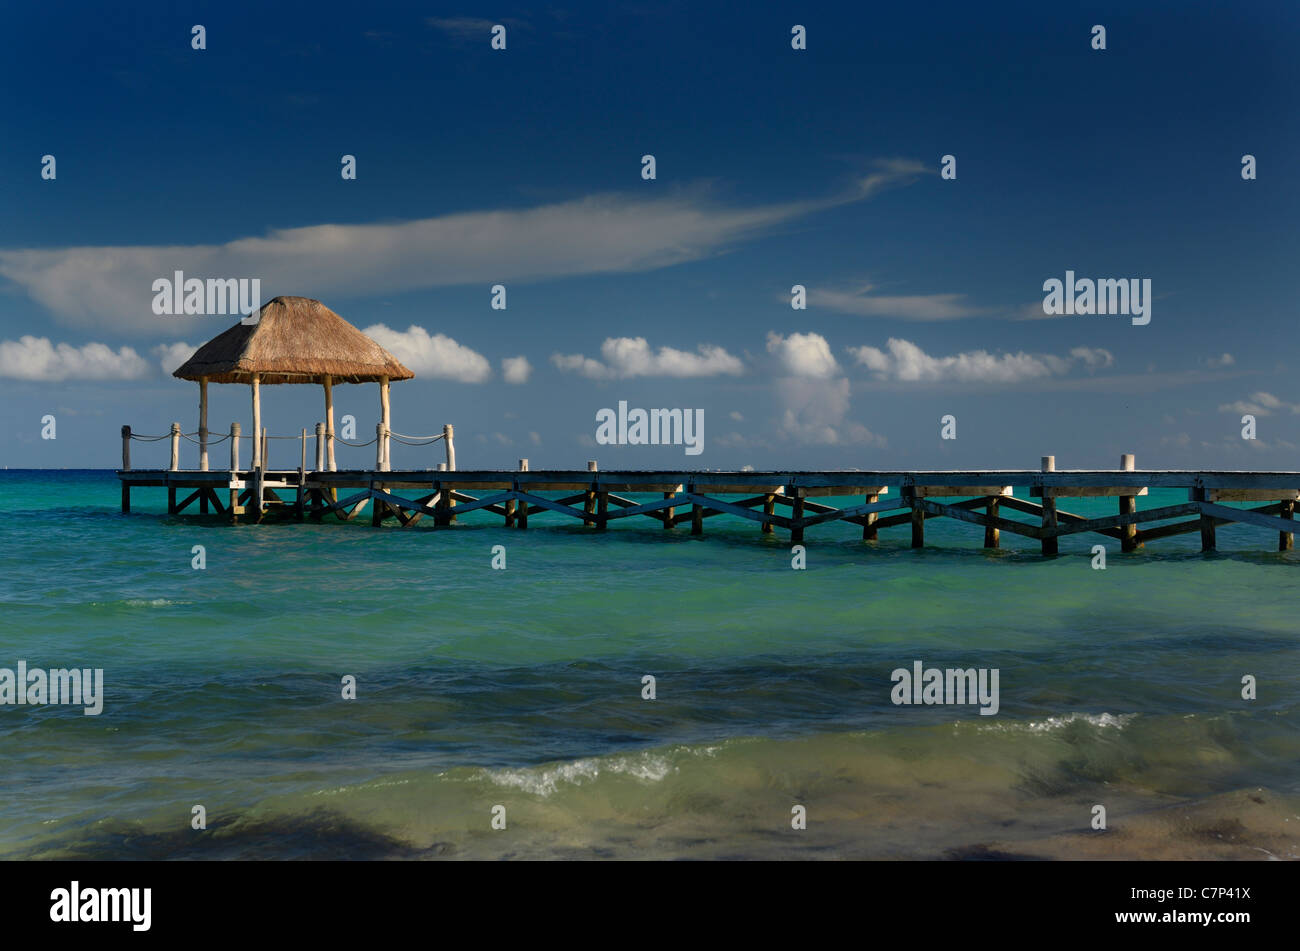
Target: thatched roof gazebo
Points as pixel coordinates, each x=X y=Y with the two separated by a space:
x=294 y=340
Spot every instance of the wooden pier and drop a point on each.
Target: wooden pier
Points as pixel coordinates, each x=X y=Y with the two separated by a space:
x=775 y=500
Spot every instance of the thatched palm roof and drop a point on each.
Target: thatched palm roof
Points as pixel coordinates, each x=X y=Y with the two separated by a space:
x=295 y=340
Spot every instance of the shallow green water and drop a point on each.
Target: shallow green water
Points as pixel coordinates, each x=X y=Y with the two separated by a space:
x=522 y=688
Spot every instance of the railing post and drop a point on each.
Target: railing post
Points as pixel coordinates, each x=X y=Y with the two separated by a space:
x=1050 y=544
x=589 y=497
x=176 y=446
x=320 y=447
x=379 y=447
x=126 y=465
x=447 y=437
x=521 y=510
x=1128 y=506
x=234 y=471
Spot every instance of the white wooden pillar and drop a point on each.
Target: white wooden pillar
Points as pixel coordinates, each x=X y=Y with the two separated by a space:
x=203 y=424
x=448 y=436
x=1128 y=506
x=328 y=383
x=176 y=447
x=1050 y=544
x=384 y=413
x=257 y=420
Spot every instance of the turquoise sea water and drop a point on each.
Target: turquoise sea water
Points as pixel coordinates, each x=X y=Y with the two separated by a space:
x=522 y=688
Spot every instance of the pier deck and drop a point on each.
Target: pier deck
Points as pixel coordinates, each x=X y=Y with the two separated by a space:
x=889 y=498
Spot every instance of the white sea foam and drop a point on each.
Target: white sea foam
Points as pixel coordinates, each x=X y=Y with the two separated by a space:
x=546 y=780
x=1106 y=721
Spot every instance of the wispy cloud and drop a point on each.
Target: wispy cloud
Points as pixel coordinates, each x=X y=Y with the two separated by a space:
x=624 y=357
x=436 y=356
x=598 y=234
x=919 y=307
x=904 y=361
x=36 y=358
x=1260 y=404
x=468 y=28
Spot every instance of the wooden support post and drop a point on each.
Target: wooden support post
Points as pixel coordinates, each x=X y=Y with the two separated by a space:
x=1286 y=540
x=449 y=437
x=302 y=479
x=992 y=536
x=769 y=508
x=869 y=531
x=697 y=519
x=589 y=498
x=510 y=513
x=670 y=512
x=385 y=460
x=796 y=513
x=234 y=471
x=266 y=451
x=917 y=517
x=320 y=447
x=259 y=474
x=171 y=500
x=379 y=447
x=257 y=421
x=1209 y=540
x=1050 y=543
x=203 y=429
x=328 y=383
x=176 y=447
x=602 y=508
x=1128 y=506
x=126 y=464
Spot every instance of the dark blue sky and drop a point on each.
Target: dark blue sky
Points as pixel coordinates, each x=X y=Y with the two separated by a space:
x=775 y=167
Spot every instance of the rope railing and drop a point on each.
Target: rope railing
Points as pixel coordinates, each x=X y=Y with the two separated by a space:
x=324 y=439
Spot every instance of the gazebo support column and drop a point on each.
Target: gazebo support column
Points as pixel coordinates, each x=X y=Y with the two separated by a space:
x=203 y=427
x=256 y=386
x=256 y=497
x=328 y=383
x=386 y=461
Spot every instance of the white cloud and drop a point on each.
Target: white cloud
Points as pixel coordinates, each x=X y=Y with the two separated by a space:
x=1259 y=404
x=908 y=363
x=35 y=358
x=815 y=411
x=516 y=369
x=438 y=356
x=803 y=355
x=598 y=234
x=172 y=355
x=924 y=307
x=1225 y=360
x=625 y=357
x=813 y=392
